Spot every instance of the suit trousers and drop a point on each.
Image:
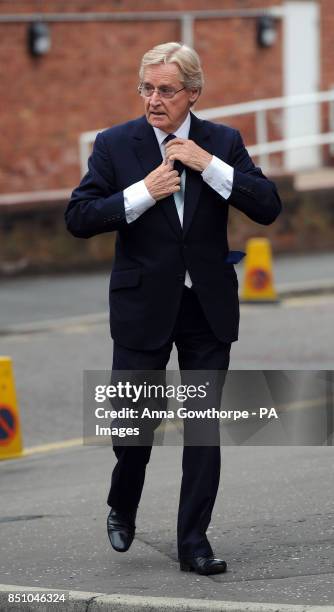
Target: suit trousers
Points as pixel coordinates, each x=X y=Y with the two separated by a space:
x=198 y=349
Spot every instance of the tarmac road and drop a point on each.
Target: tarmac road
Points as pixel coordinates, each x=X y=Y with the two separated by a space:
x=40 y=298
x=49 y=365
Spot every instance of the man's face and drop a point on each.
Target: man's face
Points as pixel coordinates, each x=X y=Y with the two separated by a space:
x=163 y=113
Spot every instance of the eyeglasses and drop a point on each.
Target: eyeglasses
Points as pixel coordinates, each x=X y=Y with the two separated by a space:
x=146 y=91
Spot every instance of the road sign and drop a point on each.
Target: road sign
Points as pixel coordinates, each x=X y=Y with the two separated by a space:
x=258 y=285
x=7 y=424
x=10 y=430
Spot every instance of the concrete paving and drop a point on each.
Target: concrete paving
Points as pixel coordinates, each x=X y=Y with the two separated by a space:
x=273 y=523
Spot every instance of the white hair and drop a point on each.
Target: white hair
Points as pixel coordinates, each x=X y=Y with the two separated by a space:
x=185 y=57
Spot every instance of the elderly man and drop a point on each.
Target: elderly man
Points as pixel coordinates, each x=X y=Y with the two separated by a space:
x=164 y=183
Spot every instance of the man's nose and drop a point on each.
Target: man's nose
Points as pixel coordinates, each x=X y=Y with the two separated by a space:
x=155 y=97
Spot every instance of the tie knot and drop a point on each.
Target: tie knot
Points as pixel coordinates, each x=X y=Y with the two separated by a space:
x=178 y=165
x=169 y=137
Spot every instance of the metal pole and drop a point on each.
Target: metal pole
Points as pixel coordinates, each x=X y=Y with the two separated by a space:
x=275 y=11
x=262 y=135
x=187 y=30
x=330 y=407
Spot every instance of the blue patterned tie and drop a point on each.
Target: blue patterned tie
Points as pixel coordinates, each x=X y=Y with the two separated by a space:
x=178 y=165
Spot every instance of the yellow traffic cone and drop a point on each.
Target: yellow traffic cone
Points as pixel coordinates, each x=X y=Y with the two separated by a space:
x=258 y=284
x=10 y=429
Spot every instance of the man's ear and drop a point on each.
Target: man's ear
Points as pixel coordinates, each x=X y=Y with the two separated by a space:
x=195 y=94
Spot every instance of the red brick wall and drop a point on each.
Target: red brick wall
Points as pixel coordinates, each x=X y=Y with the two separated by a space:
x=327 y=62
x=88 y=80
x=327 y=43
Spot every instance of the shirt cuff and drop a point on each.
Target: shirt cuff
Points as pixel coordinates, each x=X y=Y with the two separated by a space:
x=137 y=199
x=219 y=176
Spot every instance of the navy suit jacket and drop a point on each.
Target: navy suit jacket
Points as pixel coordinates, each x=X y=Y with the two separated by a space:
x=153 y=253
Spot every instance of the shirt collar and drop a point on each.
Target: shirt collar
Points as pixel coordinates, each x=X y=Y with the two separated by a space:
x=181 y=132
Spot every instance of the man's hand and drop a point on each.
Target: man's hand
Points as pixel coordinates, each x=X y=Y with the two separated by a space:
x=163 y=181
x=189 y=153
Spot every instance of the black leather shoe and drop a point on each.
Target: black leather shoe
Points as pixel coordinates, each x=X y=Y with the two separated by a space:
x=203 y=565
x=121 y=529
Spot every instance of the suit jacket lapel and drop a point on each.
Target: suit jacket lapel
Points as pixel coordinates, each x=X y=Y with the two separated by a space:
x=200 y=134
x=148 y=152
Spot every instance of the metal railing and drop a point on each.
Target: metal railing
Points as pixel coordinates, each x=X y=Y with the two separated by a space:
x=262 y=147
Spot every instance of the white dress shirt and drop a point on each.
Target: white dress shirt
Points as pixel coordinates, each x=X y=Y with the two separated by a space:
x=217 y=174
